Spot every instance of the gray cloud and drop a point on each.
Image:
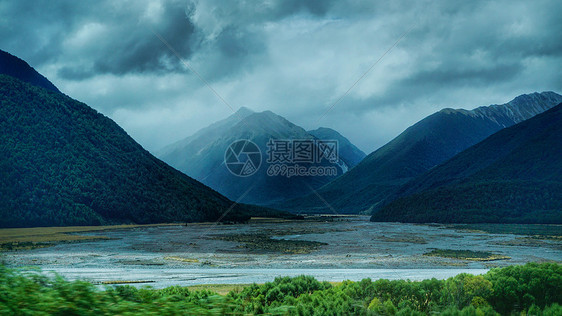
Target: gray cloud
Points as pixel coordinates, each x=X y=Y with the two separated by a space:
x=295 y=58
x=136 y=50
x=121 y=43
x=89 y=38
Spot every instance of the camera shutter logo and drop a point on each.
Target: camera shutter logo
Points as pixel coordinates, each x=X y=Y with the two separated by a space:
x=242 y=158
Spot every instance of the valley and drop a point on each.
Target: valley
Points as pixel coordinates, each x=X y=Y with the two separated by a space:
x=274 y=157
x=328 y=248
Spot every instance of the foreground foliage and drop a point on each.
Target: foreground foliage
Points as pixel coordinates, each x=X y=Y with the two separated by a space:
x=533 y=289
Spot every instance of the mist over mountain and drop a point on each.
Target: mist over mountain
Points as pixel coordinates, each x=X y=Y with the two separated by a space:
x=419 y=148
x=202 y=156
x=513 y=176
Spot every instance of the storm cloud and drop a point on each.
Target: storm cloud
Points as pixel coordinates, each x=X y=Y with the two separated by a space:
x=296 y=58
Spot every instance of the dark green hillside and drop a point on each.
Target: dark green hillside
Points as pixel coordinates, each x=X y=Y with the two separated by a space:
x=13 y=66
x=63 y=163
x=424 y=145
x=513 y=176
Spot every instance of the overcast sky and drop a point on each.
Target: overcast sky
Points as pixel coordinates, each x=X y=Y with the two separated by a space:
x=295 y=58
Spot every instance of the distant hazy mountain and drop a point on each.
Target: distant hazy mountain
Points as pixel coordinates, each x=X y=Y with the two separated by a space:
x=419 y=148
x=513 y=176
x=63 y=163
x=13 y=66
x=202 y=137
x=348 y=152
x=202 y=155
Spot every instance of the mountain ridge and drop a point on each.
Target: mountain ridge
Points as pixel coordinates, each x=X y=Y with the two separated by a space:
x=63 y=163
x=18 y=68
x=202 y=157
x=514 y=175
x=419 y=148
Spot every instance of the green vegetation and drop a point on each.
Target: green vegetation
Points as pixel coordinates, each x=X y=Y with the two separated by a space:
x=14 y=246
x=465 y=255
x=532 y=289
x=403 y=238
x=58 y=234
x=13 y=66
x=181 y=259
x=513 y=176
x=379 y=177
x=64 y=164
x=525 y=202
x=533 y=230
x=221 y=289
x=262 y=242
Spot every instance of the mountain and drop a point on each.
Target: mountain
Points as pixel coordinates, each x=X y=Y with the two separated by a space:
x=203 y=136
x=419 y=148
x=63 y=163
x=513 y=176
x=348 y=152
x=202 y=156
x=13 y=66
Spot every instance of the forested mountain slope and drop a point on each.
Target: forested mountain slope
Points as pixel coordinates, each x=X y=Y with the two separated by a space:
x=513 y=176
x=63 y=163
x=424 y=145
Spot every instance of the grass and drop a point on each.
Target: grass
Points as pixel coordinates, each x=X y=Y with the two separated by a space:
x=221 y=289
x=532 y=242
x=181 y=259
x=465 y=255
x=403 y=239
x=39 y=237
x=543 y=231
x=264 y=243
x=124 y=282
x=26 y=245
x=224 y=289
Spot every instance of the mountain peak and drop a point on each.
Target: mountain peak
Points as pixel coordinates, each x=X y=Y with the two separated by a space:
x=244 y=111
x=270 y=123
x=266 y=115
x=202 y=156
x=323 y=129
x=15 y=67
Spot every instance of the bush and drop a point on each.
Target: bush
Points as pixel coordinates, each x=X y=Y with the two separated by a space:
x=532 y=289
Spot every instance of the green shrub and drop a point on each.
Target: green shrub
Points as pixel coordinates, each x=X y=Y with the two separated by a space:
x=532 y=289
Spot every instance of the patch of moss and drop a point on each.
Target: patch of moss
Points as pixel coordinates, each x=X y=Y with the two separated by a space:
x=125 y=282
x=410 y=239
x=542 y=231
x=14 y=246
x=264 y=243
x=181 y=259
x=465 y=255
x=531 y=242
